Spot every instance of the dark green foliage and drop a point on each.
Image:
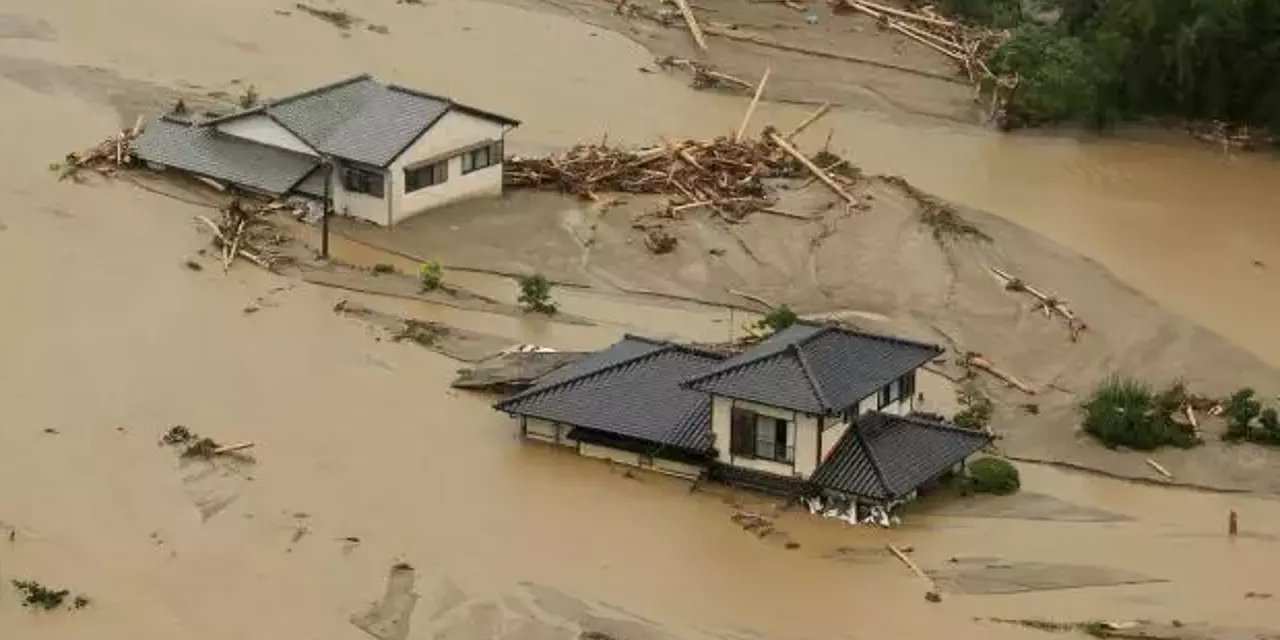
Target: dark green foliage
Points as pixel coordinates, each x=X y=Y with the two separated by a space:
x=975 y=408
x=778 y=319
x=1059 y=76
x=993 y=475
x=1195 y=59
x=998 y=13
x=1242 y=409
x=535 y=294
x=37 y=595
x=1125 y=412
x=382 y=268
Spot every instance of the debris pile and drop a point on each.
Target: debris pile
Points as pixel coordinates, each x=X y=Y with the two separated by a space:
x=195 y=446
x=705 y=76
x=105 y=158
x=1050 y=304
x=242 y=231
x=969 y=46
x=723 y=174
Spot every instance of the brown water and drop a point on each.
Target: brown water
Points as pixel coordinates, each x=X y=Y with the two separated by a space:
x=108 y=340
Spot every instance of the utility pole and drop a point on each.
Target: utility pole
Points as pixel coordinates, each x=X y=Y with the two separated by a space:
x=328 y=206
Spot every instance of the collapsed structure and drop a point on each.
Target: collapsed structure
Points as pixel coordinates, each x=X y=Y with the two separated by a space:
x=813 y=410
x=379 y=152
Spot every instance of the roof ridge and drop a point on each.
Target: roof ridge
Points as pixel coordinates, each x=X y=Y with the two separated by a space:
x=808 y=372
x=324 y=87
x=885 y=337
x=940 y=425
x=871 y=458
x=529 y=393
x=759 y=357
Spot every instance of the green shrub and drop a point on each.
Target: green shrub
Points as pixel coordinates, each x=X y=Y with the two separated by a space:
x=1125 y=412
x=1269 y=419
x=431 y=274
x=998 y=13
x=535 y=294
x=1058 y=75
x=778 y=319
x=975 y=408
x=993 y=475
x=1241 y=410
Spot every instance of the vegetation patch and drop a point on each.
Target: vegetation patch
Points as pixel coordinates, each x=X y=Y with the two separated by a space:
x=192 y=444
x=39 y=596
x=430 y=275
x=1093 y=62
x=994 y=475
x=1126 y=412
x=1248 y=420
x=535 y=294
x=975 y=408
x=777 y=319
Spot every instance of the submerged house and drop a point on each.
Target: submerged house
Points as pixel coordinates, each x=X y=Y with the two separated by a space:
x=379 y=152
x=813 y=410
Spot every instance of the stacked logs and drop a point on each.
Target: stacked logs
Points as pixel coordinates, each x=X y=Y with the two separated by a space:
x=105 y=158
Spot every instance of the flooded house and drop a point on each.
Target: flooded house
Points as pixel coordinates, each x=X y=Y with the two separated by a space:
x=378 y=152
x=814 y=410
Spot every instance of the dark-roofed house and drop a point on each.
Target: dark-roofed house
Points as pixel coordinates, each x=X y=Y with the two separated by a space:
x=814 y=409
x=394 y=151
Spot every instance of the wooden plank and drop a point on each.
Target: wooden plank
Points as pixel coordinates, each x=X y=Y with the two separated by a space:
x=813 y=168
x=751 y=109
x=694 y=27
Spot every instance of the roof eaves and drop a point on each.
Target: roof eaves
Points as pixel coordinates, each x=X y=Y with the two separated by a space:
x=808 y=374
x=524 y=395
x=943 y=426
x=499 y=118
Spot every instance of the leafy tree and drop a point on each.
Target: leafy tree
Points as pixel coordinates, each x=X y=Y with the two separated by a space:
x=535 y=294
x=975 y=408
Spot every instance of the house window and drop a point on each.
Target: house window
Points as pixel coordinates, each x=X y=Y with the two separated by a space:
x=482 y=157
x=362 y=181
x=425 y=176
x=900 y=389
x=758 y=436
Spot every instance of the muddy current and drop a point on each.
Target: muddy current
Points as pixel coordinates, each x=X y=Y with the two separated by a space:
x=363 y=457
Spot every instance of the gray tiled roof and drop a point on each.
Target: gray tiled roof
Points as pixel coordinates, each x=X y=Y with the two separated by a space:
x=816 y=368
x=360 y=118
x=202 y=150
x=631 y=389
x=885 y=457
x=313 y=184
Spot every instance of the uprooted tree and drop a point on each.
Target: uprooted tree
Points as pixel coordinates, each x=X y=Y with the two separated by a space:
x=535 y=294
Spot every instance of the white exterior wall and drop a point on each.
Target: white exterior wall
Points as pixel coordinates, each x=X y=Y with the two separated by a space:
x=454 y=132
x=264 y=130
x=836 y=429
x=547 y=431
x=804 y=438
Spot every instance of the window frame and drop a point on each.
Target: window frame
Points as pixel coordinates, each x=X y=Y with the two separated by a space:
x=493 y=156
x=364 y=181
x=438 y=172
x=747 y=437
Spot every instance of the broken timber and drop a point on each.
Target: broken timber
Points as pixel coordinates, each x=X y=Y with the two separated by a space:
x=976 y=361
x=1049 y=304
x=817 y=171
x=751 y=109
x=692 y=21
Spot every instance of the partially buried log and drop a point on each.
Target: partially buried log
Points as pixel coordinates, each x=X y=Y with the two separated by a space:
x=977 y=361
x=694 y=28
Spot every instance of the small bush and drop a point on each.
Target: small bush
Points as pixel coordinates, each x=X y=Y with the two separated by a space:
x=975 y=408
x=778 y=319
x=37 y=595
x=431 y=274
x=1241 y=410
x=1125 y=412
x=535 y=294
x=383 y=268
x=993 y=475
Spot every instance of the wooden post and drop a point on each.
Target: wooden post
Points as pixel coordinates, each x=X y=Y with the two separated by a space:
x=751 y=109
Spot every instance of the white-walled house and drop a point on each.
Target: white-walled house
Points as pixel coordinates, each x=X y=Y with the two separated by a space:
x=376 y=151
x=813 y=410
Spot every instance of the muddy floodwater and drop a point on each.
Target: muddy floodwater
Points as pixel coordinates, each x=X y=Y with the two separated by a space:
x=365 y=458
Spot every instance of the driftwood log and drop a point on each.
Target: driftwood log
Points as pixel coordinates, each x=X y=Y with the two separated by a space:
x=977 y=361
